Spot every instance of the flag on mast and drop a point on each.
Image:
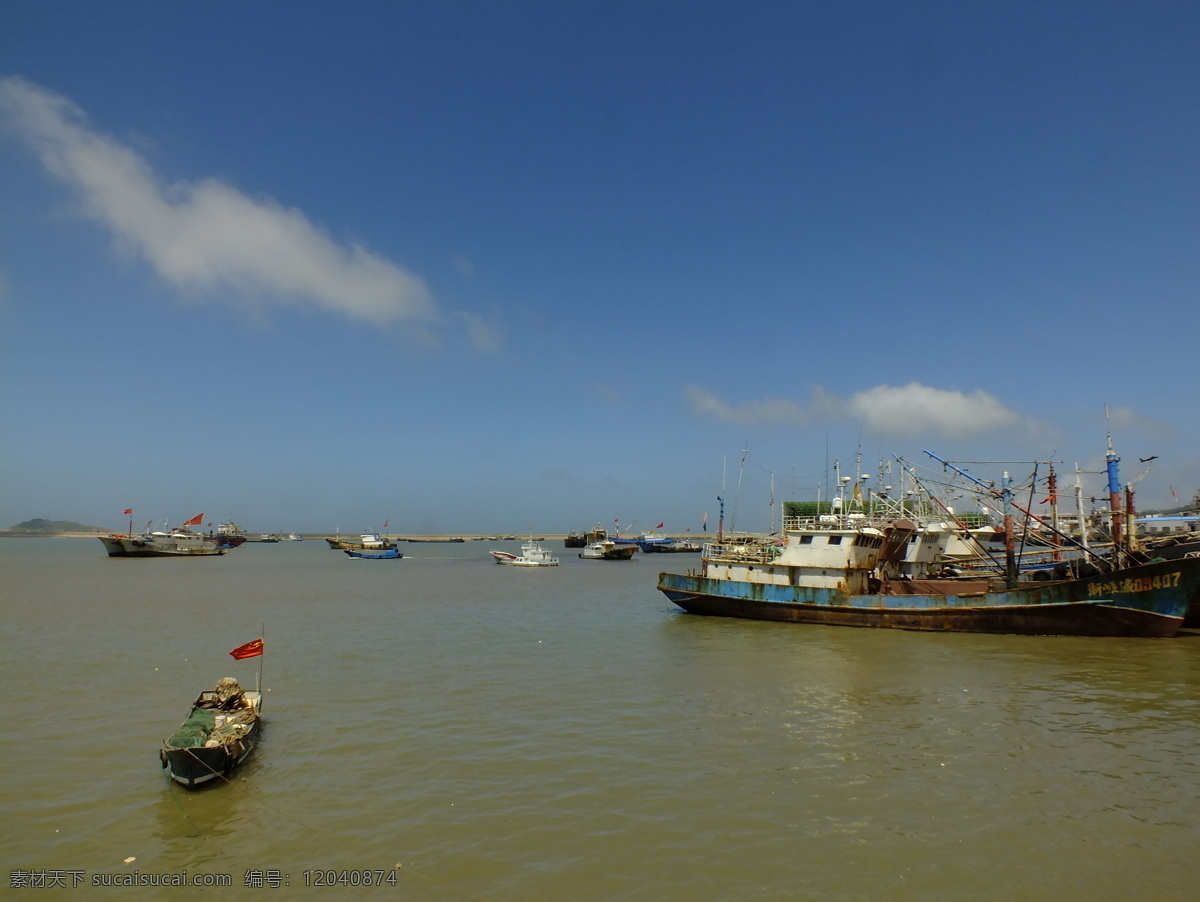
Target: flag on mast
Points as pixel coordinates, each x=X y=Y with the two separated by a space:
x=195 y=521
x=251 y=649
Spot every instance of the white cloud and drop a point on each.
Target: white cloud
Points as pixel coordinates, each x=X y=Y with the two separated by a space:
x=485 y=336
x=207 y=235
x=916 y=409
x=883 y=411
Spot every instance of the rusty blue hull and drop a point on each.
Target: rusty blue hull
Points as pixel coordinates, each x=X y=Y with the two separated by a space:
x=1144 y=601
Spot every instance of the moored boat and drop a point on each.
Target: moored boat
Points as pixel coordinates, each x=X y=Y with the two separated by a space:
x=218 y=734
x=176 y=543
x=367 y=541
x=673 y=547
x=1148 y=600
x=532 y=555
x=608 y=551
x=646 y=541
x=229 y=534
x=840 y=571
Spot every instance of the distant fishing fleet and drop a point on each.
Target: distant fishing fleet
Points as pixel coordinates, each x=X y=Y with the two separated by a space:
x=875 y=558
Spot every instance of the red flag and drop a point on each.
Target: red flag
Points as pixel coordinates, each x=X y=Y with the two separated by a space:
x=251 y=649
x=385 y=523
x=129 y=510
x=195 y=521
x=661 y=525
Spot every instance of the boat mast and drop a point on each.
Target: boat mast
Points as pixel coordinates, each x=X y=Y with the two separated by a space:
x=1114 y=489
x=1052 y=484
x=721 y=499
x=772 y=472
x=1131 y=520
x=258 y=676
x=1010 y=553
x=1083 y=536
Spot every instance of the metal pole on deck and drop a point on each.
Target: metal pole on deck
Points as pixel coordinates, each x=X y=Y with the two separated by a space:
x=1010 y=551
x=1114 y=491
x=258 y=676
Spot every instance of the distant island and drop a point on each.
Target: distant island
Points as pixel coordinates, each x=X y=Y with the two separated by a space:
x=40 y=527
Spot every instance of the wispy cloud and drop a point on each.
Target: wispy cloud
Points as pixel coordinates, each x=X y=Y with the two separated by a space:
x=1126 y=419
x=484 y=335
x=884 y=411
x=207 y=236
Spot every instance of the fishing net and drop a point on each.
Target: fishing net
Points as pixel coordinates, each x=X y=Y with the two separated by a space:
x=194 y=731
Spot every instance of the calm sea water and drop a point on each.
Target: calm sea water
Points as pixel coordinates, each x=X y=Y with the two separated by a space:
x=567 y=734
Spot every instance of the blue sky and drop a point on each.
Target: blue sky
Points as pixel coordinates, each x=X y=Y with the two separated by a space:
x=475 y=266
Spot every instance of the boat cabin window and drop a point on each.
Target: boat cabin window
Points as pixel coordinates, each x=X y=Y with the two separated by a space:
x=806 y=540
x=835 y=540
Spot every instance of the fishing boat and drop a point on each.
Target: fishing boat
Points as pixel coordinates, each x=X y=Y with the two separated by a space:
x=218 y=734
x=673 y=547
x=896 y=575
x=178 y=542
x=608 y=551
x=367 y=541
x=832 y=578
x=387 y=554
x=173 y=543
x=532 y=555
x=229 y=534
x=645 y=541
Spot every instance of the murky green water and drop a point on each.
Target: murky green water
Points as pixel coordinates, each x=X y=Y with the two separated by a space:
x=567 y=734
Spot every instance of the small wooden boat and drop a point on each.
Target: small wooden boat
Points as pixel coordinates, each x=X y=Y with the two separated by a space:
x=387 y=554
x=218 y=734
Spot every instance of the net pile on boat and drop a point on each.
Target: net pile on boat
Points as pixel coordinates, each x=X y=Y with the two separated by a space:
x=194 y=732
x=208 y=727
x=227 y=690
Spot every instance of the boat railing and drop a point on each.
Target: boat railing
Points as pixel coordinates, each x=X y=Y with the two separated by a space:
x=759 y=551
x=834 y=521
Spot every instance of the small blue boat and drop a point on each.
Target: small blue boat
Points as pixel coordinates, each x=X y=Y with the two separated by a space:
x=388 y=554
